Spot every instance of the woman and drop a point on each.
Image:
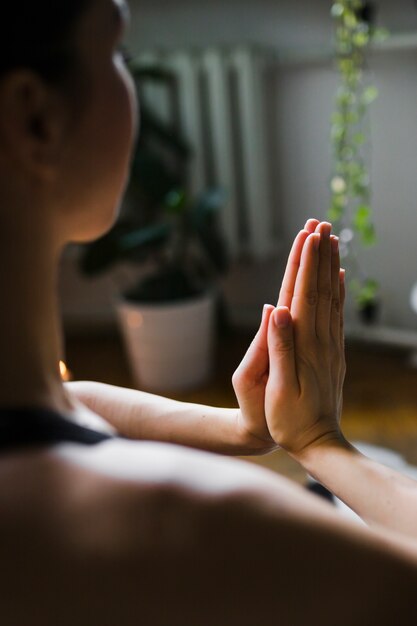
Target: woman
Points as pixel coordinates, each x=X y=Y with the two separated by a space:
x=99 y=527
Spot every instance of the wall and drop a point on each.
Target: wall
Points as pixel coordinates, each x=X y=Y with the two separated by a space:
x=282 y=23
x=279 y=23
x=304 y=95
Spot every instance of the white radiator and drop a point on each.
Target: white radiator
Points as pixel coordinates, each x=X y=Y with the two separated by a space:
x=221 y=106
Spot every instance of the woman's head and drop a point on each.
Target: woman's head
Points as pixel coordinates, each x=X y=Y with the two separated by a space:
x=38 y=34
x=67 y=109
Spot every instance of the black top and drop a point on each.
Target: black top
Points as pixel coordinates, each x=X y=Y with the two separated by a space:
x=32 y=427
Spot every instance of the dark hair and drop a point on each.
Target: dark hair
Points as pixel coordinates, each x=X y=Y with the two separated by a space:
x=36 y=34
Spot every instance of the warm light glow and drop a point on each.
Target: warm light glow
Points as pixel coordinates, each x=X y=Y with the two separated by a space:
x=135 y=320
x=66 y=375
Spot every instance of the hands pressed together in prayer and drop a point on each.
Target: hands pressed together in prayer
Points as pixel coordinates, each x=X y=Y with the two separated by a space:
x=289 y=384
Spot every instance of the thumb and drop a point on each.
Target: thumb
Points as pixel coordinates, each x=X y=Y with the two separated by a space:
x=281 y=348
x=255 y=363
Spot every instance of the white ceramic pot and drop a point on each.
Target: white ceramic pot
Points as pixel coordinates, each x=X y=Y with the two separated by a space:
x=170 y=346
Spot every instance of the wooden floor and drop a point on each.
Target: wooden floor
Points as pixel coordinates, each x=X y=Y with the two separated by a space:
x=380 y=400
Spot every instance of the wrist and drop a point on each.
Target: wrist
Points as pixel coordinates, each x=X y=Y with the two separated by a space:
x=311 y=455
x=254 y=444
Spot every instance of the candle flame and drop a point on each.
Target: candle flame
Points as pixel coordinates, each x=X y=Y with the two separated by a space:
x=65 y=372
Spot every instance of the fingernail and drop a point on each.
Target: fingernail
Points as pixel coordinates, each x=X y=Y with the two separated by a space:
x=335 y=243
x=342 y=275
x=265 y=309
x=281 y=317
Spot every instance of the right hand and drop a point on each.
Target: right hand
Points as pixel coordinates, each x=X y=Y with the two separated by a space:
x=303 y=398
x=251 y=377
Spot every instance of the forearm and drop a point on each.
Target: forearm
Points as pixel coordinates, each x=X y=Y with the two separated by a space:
x=144 y=416
x=378 y=494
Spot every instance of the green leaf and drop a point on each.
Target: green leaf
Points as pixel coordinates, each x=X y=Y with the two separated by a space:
x=337 y=132
x=360 y=40
x=335 y=213
x=348 y=153
x=360 y=186
x=371 y=284
x=345 y=97
x=367 y=292
x=175 y=201
x=346 y=66
x=370 y=95
x=352 y=117
x=151 y=236
x=368 y=235
x=364 y=291
x=340 y=201
x=356 y=169
x=362 y=217
x=350 y=19
x=359 y=139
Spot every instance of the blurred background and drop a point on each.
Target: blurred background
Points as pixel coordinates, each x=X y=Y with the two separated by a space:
x=255 y=85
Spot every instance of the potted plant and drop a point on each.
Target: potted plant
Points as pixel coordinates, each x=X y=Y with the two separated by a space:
x=350 y=209
x=168 y=315
x=367 y=300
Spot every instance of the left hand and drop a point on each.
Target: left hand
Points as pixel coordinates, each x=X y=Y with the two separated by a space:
x=251 y=377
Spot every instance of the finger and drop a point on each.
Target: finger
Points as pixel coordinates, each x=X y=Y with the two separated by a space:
x=311 y=225
x=342 y=275
x=282 y=368
x=324 y=283
x=335 y=284
x=255 y=363
x=304 y=304
x=342 y=360
x=287 y=289
x=342 y=307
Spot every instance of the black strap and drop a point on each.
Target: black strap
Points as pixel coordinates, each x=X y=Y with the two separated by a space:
x=320 y=490
x=27 y=427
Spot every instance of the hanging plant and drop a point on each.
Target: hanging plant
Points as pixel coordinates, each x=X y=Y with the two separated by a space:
x=350 y=208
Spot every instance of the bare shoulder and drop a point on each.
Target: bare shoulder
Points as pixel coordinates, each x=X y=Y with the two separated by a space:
x=114 y=526
x=127 y=532
x=74 y=489
x=120 y=519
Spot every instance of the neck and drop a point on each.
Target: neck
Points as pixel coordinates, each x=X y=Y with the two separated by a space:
x=30 y=329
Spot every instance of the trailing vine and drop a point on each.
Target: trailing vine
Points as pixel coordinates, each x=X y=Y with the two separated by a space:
x=350 y=207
